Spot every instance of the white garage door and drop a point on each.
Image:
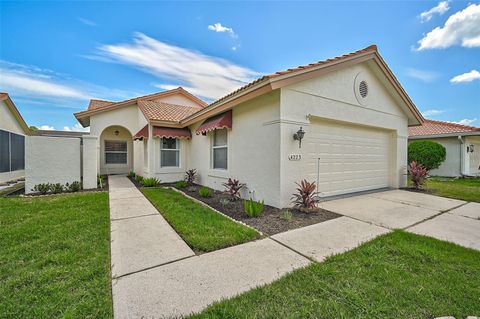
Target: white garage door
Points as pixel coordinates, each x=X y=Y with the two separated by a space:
x=346 y=158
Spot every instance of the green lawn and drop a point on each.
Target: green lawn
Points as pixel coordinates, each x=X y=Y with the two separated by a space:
x=459 y=188
x=399 y=275
x=54 y=257
x=202 y=229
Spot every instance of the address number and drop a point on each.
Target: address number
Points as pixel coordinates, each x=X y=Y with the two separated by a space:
x=295 y=157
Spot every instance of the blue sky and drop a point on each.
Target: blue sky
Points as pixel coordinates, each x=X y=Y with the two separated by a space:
x=55 y=56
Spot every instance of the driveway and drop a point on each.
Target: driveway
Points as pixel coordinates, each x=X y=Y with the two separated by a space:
x=442 y=218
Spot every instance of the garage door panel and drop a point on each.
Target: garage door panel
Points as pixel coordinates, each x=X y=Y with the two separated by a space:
x=352 y=158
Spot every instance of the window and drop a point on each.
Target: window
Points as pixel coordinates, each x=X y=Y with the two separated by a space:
x=220 y=149
x=115 y=152
x=170 y=152
x=12 y=152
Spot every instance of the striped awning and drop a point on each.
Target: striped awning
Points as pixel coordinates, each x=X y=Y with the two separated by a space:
x=223 y=120
x=161 y=131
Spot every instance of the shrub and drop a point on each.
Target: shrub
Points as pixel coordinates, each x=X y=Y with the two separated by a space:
x=286 y=215
x=100 y=181
x=42 y=188
x=427 y=153
x=73 y=187
x=190 y=176
x=131 y=174
x=253 y=208
x=232 y=188
x=205 y=192
x=139 y=179
x=305 y=195
x=57 y=188
x=418 y=173
x=150 y=182
x=181 y=184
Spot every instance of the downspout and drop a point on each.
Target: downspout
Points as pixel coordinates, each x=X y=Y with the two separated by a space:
x=462 y=156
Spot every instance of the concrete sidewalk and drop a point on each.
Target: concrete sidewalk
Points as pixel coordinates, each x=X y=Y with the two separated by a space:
x=190 y=285
x=140 y=236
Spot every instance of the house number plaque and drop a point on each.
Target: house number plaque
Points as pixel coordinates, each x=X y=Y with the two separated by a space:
x=295 y=157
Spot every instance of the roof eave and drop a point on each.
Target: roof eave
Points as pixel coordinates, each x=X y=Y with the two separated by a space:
x=421 y=137
x=16 y=113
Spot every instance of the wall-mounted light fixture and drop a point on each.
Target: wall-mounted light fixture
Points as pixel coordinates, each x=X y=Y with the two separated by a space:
x=470 y=148
x=116 y=132
x=299 y=136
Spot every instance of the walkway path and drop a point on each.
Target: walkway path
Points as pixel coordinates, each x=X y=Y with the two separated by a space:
x=140 y=237
x=156 y=275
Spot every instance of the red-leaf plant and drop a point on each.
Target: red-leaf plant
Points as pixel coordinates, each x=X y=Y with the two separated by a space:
x=232 y=188
x=419 y=174
x=305 y=195
x=190 y=176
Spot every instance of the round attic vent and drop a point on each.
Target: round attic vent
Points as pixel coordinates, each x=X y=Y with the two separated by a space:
x=363 y=89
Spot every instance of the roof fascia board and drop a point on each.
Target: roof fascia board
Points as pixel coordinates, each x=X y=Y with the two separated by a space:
x=398 y=87
x=16 y=114
x=291 y=78
x=422 y=137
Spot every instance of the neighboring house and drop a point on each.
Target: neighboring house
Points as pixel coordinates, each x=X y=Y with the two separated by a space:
x=461 y=142
x=12 y=140
x=354 y=113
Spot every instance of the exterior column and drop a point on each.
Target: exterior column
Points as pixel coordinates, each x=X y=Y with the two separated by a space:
x=400 y=171
x=89 y=159
x=151 y=152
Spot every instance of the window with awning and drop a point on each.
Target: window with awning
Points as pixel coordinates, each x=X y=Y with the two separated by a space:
x=164 y=132
x=217 y=122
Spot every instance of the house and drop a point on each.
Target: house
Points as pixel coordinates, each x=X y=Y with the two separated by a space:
x=12 y=140
x=351 y=111
x=461 y=142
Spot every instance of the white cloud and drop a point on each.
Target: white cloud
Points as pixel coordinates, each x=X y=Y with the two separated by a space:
x=440 y=9
x=466 y=77
x=46 y=127
x=466 y=121
x=218 y=27
x=32 y=80
x=432 y=112
x=42 y=86
x=425 y=76
x=203 y=75
x=76 y=128
x=461 y=28
x=87 y=22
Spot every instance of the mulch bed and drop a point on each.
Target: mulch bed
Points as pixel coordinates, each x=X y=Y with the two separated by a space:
x=270 y=222
x=21 y=191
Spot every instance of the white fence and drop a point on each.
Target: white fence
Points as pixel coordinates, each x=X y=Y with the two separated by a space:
x=60 y=160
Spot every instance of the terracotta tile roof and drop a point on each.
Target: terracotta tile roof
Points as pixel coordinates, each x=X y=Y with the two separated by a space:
x=96 y=104
x=161 y=111
x=431 y=127
x=372 y=48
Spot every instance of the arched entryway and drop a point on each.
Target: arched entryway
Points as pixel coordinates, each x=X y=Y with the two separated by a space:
x=116 y=150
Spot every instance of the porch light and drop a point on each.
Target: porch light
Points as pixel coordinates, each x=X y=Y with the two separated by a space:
x=116 y=132
x=470 y=148
x=299 y=136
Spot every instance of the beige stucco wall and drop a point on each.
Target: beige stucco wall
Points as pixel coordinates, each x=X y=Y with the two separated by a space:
x=332 y=96
x=452 y=165
x=9 y=123
x=253 y=153
x=458 y=161
x=51 y=160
